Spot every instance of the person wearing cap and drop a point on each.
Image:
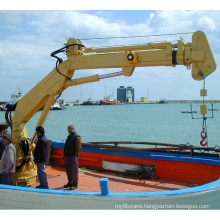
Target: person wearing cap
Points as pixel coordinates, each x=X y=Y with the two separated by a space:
x=3 y=130
x=72 y=148
x=40 y=157
x=8 y=161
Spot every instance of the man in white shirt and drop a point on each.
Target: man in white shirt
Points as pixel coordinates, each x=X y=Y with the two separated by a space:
x=8 y=161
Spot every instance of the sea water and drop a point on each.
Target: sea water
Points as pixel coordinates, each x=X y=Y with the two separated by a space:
x=131 y=122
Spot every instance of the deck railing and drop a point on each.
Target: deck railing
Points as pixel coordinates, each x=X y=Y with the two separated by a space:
x=157 y=146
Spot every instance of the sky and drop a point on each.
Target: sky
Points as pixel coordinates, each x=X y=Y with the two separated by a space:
x=29 y=36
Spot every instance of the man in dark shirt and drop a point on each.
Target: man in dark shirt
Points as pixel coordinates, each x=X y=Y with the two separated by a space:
x=3 y=131
x=72 y=148
x=40 y=157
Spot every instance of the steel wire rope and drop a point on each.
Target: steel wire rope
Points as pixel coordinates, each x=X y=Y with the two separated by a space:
x=138 y=36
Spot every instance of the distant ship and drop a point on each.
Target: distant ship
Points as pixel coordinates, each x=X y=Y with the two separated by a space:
x=163 y=101
x=15 y=97
x=89 y=102
x=58 y=105
x=109 y=100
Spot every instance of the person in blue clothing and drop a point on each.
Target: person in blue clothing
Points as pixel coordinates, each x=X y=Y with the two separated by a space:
x=40 y=157
x=3 y=131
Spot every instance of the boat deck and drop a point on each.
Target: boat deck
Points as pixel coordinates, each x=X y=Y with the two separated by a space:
x=89 y=180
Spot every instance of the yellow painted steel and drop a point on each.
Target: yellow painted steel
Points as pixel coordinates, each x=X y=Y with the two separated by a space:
x=203 y=92
x=204 y=62
x=195 y=54
x=203 y=109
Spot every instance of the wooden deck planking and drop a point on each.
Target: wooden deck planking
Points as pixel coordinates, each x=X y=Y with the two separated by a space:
x=89 y=181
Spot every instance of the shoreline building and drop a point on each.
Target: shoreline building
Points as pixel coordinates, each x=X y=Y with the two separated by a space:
x=144 y=100
x=125 y=94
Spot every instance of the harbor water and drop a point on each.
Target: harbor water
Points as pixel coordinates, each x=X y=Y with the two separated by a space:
x=131 y=122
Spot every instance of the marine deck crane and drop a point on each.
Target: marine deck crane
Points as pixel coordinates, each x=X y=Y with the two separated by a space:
x=195 y=55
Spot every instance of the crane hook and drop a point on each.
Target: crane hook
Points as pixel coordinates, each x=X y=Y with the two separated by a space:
x=203 y=136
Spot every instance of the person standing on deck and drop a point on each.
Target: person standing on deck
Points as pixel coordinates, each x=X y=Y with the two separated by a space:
x=3 y=131
x=8 y=160
x=40 y=157
x=72 y=148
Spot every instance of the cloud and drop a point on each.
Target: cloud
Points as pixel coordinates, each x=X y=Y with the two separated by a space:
x=208 y=22
x=183 y=21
